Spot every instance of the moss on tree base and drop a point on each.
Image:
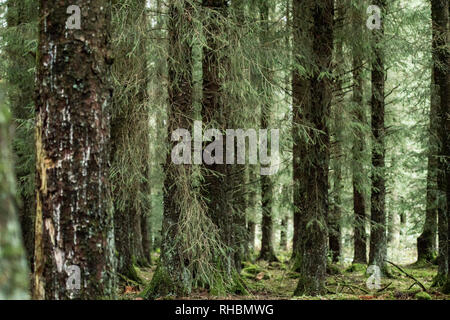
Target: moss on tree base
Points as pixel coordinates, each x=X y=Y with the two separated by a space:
x=162 y=285
x=357 y=267
x=131 y=275
x=309 y=287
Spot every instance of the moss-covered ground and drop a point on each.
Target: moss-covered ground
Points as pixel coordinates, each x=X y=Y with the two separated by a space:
x=275 y=281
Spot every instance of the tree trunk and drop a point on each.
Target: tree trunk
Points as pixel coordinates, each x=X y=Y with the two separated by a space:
x=301 y=102
x=172 y=275
x=440 y=56
x=378 y=239
x=334 y=218
x=239 y=204
x=218 y=188
x=426 y=242
x=252 y=208
x=283 y=233
x=267 y=187
x=359 y=142
x=313 y=222
x=137 y=244
x=146 y=228
x=13 y=267
x=74 y=230
x=252 y=234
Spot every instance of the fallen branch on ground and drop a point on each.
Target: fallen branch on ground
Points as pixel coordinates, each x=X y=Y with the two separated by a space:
x=408 y=275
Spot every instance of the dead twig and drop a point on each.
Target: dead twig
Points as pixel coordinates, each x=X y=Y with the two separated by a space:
x=385 y=287
x=408 y=275
x=351 y=286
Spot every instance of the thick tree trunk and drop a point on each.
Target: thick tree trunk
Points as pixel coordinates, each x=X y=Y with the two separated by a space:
x=123 y=239
x=358 y=149
x=14 y=272
x=74 y=230
x=313 y=222
x=218 y=188
x=441 y=72
x=378 y=238
x=21 y=16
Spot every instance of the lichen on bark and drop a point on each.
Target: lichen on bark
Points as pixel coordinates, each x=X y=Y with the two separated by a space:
x=74 y=216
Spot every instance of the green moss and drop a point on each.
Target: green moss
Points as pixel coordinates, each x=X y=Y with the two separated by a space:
x=422 y=296
x=239 y=285
x=439 y=280
x=161 y=285
x=247 y=275
x=131 y=276
x=427 y=261
x=357 y=267
x=251 y=269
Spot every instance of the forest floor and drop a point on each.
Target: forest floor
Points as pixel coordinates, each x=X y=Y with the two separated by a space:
x=276 y=281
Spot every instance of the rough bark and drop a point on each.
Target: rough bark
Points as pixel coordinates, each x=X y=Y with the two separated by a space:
x=73 y=216
x=378 y=238
x=313 y=239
